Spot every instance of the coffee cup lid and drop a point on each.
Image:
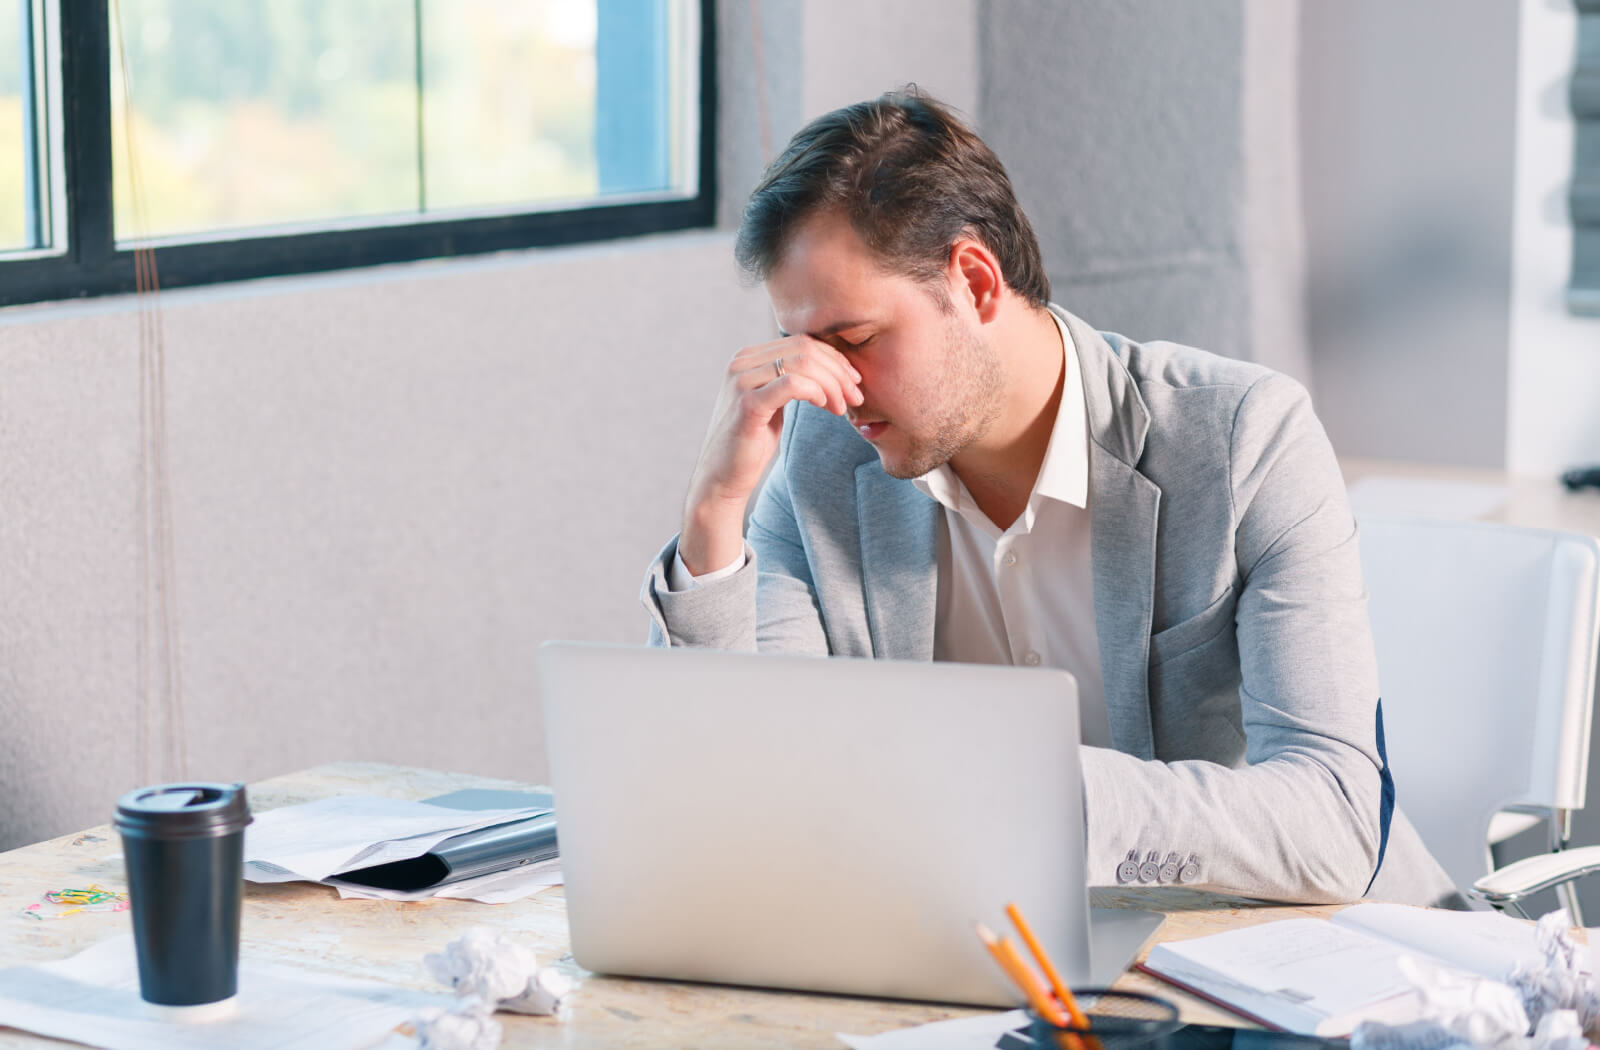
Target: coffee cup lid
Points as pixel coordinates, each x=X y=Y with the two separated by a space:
x=178 y=811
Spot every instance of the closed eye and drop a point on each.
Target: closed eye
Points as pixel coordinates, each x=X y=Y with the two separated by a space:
x=848 y=345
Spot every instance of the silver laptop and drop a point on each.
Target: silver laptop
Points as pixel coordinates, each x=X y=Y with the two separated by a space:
x=827 y=825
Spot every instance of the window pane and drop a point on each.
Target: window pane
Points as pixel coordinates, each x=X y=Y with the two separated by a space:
x=641 y=50
x=22 y=221
x=509 y=96
x=530 y=101
x=257 y=112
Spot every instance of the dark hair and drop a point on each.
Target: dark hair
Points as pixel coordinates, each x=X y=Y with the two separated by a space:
x=910 y=177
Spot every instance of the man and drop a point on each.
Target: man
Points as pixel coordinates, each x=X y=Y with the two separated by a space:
x=968 y=472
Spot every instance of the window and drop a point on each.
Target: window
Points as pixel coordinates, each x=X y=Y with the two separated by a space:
x=27 y=158
x=259 y=137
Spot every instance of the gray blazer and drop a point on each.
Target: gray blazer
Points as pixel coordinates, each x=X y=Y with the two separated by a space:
x=1240 y=680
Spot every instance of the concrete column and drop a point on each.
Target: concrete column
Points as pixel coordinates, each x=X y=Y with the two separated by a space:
x=1153 y=146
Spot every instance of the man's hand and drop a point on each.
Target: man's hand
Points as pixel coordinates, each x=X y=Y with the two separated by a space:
x=745 y=428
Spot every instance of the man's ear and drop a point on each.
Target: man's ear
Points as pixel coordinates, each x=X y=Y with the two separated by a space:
x=976 y=278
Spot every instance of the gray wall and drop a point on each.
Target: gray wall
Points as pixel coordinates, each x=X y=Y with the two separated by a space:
x=749 y=96
x=1320 y=187
x=1408 y=144
x=388 y=489
x=1152 y=145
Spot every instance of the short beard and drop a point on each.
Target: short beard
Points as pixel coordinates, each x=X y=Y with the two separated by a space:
x=973 y=377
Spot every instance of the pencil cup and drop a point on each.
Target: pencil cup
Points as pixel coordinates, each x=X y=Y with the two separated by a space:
x=183 y=847
x=1117 y=1020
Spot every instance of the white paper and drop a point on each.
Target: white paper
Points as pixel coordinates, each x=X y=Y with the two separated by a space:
x=1332 y=969
x=339 y=834
x=966 y=1033
x=1481 y=942
x=1296 y=973
x=93 y=997
x=503 y=887
x=497 y=887
x=1427 y=497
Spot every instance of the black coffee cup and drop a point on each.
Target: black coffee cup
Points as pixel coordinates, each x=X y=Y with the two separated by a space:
x=183 y=846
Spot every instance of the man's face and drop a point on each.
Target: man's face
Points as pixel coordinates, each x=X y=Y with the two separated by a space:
x=931 y=384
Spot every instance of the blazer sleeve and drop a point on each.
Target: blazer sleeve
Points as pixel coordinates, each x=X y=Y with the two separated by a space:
x=1303 y=818
x=769 y=605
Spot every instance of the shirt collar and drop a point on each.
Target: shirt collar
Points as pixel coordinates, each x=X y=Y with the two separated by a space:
x=1064 y=474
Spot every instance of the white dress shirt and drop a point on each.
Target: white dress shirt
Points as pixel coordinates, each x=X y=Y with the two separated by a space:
x=1023 y=596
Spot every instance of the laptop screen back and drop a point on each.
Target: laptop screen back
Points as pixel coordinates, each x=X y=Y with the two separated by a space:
x=828 y=825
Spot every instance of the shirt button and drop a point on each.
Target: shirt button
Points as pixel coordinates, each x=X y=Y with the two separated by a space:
x=1010 y=558
x=1031 y=659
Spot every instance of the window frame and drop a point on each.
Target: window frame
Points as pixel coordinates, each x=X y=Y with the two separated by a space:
x=93 y=265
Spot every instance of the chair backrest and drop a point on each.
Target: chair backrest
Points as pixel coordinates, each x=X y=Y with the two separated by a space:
x=1486 y=638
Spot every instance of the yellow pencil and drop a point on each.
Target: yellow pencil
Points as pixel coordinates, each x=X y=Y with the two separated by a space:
x=1038 y=997
x=1057 y=985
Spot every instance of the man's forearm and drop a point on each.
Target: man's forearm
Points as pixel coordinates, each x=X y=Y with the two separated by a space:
x=1293 y=828
x=712 y=535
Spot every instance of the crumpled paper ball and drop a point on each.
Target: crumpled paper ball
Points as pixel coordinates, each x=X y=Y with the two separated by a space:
x=1560 y=983
x=1417 y=1035
x=1545 y=1006
x=470 y=1025
x=488 y=972
x=1480 y=1011
x=486 y=964
x=1557 y=1030
x=1560 y=1030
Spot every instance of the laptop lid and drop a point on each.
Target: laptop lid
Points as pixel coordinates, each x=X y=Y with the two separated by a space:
x=829 y=825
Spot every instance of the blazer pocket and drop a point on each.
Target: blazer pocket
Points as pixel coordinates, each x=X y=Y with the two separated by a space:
x=1194 y=632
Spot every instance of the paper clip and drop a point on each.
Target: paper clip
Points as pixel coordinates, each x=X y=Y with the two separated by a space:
x=71 y=901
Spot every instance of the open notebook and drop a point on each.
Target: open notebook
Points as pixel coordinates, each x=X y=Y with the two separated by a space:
x=1324 y=977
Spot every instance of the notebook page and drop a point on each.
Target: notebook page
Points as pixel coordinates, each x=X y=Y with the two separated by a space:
x=1484 y=943
x=1306 y=975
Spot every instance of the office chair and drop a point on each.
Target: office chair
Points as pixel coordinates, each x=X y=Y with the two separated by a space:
x=1486 y=638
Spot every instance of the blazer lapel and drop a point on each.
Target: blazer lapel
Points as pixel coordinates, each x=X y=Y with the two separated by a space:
x=899 y=563
x=1123 y=510
x=1123 y=505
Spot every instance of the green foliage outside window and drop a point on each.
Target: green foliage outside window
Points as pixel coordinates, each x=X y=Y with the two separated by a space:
x=263 y=112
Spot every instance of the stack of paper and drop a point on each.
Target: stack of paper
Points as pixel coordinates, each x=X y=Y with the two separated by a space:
x=501 y=887
x=318 y=841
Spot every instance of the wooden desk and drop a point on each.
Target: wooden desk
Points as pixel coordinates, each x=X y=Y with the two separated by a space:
x=308 y=926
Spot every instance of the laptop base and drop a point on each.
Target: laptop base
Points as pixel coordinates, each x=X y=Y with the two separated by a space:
x=1116 y=936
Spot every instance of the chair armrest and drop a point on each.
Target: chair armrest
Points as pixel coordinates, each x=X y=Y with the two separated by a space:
x=1515 y=881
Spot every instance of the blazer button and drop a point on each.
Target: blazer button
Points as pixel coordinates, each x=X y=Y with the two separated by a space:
x=1128 y=870
x=1191 y=870
x=1151 y=867
x=1170 y=867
